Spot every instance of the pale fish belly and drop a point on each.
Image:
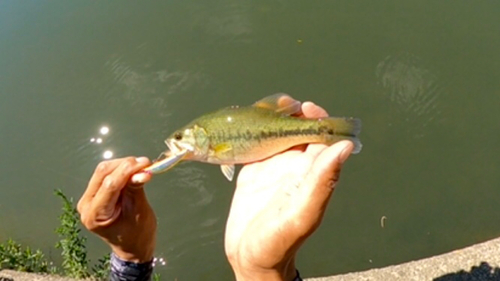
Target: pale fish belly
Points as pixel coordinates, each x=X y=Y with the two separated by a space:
x=247 y=151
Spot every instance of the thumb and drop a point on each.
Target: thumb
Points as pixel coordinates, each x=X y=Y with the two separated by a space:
x=319 y=184
x=325 y=171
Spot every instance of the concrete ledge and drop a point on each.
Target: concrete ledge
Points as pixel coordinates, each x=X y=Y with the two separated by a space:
x=477 y=262
x=11 y=275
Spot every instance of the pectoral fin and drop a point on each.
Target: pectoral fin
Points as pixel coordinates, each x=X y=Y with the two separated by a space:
x=228 y=171
x=281 y=103
x=221 y=148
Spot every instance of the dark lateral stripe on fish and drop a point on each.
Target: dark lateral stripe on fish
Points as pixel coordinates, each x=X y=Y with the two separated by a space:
x=248 y=135
x=295 y=132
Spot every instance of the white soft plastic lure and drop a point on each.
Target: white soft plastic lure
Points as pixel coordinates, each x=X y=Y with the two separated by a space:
x=166 y=163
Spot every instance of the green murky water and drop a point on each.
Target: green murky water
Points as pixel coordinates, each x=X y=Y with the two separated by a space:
x=424 y=76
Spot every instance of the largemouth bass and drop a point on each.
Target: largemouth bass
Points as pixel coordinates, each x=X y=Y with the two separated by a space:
x=238 y=135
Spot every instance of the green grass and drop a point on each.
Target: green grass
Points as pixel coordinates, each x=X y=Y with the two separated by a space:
x=72 y=244
x=14 y=256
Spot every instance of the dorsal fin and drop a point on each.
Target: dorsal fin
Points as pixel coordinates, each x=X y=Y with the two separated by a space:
x=281 y=103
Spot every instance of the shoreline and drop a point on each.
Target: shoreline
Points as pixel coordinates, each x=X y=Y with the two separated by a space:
x=477 y=262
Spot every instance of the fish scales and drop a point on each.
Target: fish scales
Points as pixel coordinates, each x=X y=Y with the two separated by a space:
x=239 y=135
x=255 y=133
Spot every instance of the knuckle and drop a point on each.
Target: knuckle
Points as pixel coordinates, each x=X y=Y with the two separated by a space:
x=88 y=222
x=332 y=182
x=108 y=182
x=84 y=219
x=128 y=165
x=101 y=167
x=336 y=174
x=79 y=206
x=91 y=227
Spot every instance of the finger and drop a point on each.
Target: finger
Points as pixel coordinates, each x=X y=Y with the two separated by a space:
x=102 y=170
x=104 y=202
x=287 y=101
x=315 y=148
x=321 y=180
x=140 y=179
x=311 y=110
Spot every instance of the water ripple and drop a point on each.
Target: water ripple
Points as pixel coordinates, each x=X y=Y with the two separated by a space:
x=194 y=179
x=144 y=87
x=415 y=89
x=229 y=23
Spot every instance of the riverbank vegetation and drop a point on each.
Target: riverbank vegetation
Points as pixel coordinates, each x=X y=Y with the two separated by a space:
x=72 y=245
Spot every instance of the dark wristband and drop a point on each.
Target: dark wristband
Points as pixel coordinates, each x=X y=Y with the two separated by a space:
x=297 y=278
x=129 y=271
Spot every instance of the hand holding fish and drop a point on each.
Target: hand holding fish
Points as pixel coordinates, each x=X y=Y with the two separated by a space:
x=115 y=207
x=296 y=152
x=279 y=203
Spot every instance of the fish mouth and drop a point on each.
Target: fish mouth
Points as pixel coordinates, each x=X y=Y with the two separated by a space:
x=178 y=148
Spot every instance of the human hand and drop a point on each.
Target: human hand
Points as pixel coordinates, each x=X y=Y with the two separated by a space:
x=279 y=203
x=115 y=207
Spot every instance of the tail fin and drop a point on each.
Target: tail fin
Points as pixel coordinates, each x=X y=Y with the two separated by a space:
x=345 y=128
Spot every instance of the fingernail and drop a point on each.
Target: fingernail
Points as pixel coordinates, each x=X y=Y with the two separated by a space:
x=345 y=154
x=142 y=159
x=138 y=178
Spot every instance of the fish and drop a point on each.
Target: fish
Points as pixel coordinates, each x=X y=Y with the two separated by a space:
x=240 y=135
x=166 y=163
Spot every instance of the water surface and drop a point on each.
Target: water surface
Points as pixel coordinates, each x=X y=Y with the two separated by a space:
x=423 y=77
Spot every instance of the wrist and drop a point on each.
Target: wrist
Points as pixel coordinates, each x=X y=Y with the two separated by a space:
x=126 y=270
x=143 y=255
x=138 y=249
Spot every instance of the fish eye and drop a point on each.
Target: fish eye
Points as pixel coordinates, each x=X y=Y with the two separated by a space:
x=178 y=136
